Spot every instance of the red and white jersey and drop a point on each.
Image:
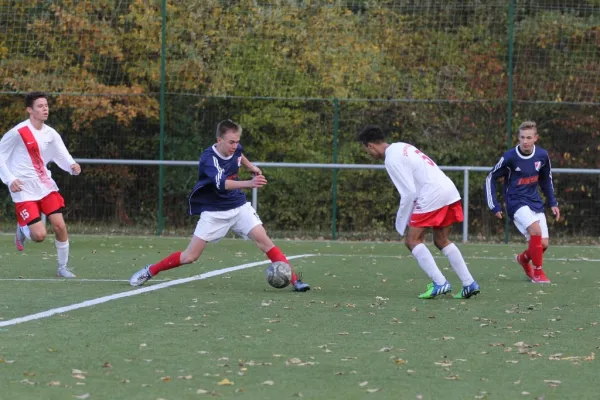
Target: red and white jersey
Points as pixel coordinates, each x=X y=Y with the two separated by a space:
x=24 y=154
x=423 y=186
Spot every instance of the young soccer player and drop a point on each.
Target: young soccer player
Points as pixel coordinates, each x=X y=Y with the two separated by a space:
x=428 y=199
x=25 y=151
x=218 y=199
x=523 y=168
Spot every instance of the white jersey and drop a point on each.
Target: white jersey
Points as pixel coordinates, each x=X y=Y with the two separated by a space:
x=24 y=155
x=423 y=186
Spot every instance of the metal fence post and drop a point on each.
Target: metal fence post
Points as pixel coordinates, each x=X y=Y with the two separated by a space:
x=255 y=199
x=161 y=168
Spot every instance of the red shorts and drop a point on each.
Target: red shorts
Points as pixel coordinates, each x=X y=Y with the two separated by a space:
x=29 y=211
x=439 y=218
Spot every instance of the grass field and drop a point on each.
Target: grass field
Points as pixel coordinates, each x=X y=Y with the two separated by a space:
x=361 y=333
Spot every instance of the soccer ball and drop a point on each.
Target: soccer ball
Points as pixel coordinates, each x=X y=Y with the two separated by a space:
x=279 y=274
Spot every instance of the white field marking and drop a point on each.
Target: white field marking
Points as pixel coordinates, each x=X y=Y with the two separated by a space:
x=100 y=300
x=466 y=257
x=70 y=280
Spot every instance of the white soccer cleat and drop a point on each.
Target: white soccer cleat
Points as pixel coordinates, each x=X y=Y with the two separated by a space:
x=141 y=277
x=65 y=272
x=20 y=239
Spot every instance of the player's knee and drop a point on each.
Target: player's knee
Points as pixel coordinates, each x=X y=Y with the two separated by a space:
x=38 y=236
x=60 y=229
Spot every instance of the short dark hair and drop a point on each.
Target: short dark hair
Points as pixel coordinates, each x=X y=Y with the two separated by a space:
x=371 y=134
x=226 y=126
x=30 y=98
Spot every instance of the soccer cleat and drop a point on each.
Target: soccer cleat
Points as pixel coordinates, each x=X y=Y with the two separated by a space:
x=20 y=239
x=65 y=272
x=539 y=276
x=434 y=290
x=141 y=277
x=468 y=291
x=300 y=286
x=527 y=267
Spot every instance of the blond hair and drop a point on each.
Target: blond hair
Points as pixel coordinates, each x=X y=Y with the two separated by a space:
x=527 y=125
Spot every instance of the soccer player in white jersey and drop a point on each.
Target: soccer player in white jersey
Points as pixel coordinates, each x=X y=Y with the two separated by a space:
x=524 y=168
x=218 y=199
x=428 y=199
x=25 y=151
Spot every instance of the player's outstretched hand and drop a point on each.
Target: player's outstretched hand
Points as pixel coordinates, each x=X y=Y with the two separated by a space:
x=258 y=181
x=556 y=212
x=16 y=186
x=76 y=168
x=499 y=215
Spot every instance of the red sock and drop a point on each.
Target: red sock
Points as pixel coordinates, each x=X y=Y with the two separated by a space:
x=172 y=261
x=276 y=255
x=524 y=257
x=534 y=251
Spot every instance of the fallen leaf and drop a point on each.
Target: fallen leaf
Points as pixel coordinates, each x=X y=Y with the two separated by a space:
x=83 y=396
x=202 y=391
x=54 y=383
x=187 y=377
x=269 y=383
x=166 y=379
x=107 y=365
x=225 y=382
x=373 y=390
x=365 y=383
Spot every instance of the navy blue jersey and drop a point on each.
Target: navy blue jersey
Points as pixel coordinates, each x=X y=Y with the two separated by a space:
x=522 y=174
x=210 y=194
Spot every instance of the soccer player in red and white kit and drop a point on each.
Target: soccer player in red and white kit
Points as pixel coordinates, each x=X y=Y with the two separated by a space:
x=25 y=150
x=222 y=206
x=428 y=199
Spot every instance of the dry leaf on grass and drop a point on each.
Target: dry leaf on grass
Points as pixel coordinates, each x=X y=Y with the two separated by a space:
x=373 y=390
x=54 y=383
x=83 y=396
x=225 y=382
x=269 y=383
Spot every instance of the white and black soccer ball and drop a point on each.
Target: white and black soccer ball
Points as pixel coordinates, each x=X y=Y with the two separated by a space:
x=279 y=274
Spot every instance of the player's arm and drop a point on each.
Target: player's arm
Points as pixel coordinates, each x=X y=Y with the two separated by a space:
x=500 y=170
x=402 y=177
x=250 y=167
x=547 y=186
x=62 y=157
x=7 y=145
x=210 y=169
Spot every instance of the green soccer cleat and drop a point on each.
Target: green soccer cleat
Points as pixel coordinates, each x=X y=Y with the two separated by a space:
x=468 y=291
x=434 y=290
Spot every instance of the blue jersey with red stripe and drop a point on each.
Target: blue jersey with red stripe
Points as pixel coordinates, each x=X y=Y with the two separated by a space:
x=209 y=194
x=522 y=173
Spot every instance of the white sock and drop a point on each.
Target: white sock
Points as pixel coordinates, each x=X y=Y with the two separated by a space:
x=458 y=264
x=427 y=264
x=62 y=250
x=26 y=231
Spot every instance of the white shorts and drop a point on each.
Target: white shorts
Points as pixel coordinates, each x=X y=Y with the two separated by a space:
x=524 y=217
x=214 y=225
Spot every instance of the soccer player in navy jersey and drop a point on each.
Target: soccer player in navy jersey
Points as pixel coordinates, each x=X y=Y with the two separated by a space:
x=218 y=199
x=523 y=168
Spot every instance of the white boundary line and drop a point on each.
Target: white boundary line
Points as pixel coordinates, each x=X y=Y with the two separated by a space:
x=465 y=257
x=100 y=300
x=61 y=280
